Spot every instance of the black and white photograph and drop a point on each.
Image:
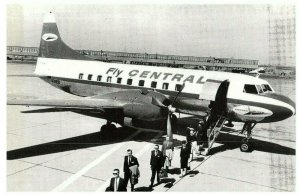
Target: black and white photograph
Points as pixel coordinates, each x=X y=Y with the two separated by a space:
x=150 y=96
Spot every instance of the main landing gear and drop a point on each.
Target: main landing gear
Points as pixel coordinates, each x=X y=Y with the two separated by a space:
x=246 y=144
x=108 y=129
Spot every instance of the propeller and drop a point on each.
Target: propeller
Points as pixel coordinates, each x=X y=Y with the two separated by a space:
x=170 y=110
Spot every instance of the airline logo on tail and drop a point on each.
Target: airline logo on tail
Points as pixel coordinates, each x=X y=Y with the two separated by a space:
x=49 y=37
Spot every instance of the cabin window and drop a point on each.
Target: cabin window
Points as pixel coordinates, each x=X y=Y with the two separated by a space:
x=153 y=84
x=266 y=87
x=80 y=76
x=165 y=86
x=141 y=82
x=260 y=90
x=178 y=87
x=129 y=81
x=90 y=76
x=119 y=80
x=248 y=88
x=108 y=79
x=99 y=77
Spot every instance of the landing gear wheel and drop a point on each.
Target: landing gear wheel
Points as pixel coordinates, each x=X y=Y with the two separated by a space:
x=103 y=128
x=104 y=131
x=108 y=130
x=112 y=127
x=246 y=146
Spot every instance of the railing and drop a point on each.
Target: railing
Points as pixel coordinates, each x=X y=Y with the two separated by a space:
x=34 y=51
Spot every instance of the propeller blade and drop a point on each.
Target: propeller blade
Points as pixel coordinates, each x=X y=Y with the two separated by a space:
x=178 y=93
x=169 y=128
x=157 y=102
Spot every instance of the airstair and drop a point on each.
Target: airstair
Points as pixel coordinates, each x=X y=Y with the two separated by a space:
x=214 y=132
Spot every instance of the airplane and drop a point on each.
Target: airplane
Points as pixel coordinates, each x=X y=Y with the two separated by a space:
x=136 y=95
x=257 y=71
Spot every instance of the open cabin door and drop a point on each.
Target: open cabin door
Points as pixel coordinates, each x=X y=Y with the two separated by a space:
x=216 y=92
x=210 y=89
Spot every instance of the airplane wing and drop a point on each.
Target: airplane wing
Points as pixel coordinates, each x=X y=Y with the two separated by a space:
x=131 y=101
x=100 y=108
x=68 y=103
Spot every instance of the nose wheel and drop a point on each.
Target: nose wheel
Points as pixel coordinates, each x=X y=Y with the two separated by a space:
x=246 y=144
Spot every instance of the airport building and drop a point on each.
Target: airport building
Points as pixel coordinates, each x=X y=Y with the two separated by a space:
x=18 y=53
x=30 y=54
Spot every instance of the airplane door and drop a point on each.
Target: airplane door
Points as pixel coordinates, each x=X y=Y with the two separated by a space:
x=216 y=91
x=209 y=89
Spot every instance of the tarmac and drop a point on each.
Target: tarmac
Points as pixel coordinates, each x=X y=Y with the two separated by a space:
x=63 y=151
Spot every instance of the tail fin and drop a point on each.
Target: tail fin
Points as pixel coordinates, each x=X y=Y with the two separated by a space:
x=51 y=44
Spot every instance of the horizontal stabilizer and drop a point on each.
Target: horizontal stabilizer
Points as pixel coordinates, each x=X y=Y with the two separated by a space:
x=22 y=75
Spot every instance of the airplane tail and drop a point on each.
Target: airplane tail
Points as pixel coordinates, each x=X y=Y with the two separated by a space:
x=51 y=44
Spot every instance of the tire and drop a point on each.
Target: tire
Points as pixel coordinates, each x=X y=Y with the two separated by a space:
x=112 y=128
x=103 y=131
x=103 y=128
x=246 y=146
x=108 y=130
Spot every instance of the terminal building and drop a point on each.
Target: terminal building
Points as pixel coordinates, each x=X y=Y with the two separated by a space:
x=30 y=54
x=18 y=53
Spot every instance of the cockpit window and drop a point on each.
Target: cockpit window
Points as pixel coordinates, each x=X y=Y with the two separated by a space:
x=266 y=87
x=260 y=90
x=248 y=88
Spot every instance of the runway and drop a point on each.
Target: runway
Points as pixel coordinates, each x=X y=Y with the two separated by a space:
x=62 y=151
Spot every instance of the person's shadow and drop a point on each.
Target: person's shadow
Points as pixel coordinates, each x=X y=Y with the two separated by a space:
x=143 y=189
x=198 y=159
x=169 y=182
x=193 y=173
x=174 y=171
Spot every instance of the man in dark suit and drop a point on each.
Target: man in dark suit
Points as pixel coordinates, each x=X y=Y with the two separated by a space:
x=117 y=184
x=129 y=161
x=156 y=163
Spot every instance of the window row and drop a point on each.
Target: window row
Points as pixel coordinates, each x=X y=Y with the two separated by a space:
x=165 y=86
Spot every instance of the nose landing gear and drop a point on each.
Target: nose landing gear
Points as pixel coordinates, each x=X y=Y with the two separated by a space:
x=246 y=144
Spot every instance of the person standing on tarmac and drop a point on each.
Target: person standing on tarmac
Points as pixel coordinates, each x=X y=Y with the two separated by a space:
x=156 y=163
x=167 y=151
x=117 y=183
x=200 y=132
x=184 y=158
x=192 y=142
x=129 y=161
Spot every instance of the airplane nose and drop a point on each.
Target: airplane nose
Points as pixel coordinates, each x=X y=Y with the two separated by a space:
x=287 y=103
x=283 y=109
x=290 y=103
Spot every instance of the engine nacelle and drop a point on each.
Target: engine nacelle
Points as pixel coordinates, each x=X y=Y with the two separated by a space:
x=249 y=113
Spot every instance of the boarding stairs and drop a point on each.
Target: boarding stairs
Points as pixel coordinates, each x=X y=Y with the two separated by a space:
x=214 y=132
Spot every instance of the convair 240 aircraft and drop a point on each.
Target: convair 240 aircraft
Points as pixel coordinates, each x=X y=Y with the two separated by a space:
x=135 y=95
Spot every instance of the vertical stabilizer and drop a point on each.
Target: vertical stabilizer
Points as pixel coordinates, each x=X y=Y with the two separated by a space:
x=51 y=44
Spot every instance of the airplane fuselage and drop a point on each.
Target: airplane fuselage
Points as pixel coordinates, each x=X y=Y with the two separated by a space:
x=249 y=99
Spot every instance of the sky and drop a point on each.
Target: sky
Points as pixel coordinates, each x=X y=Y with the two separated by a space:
x=238 y=31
